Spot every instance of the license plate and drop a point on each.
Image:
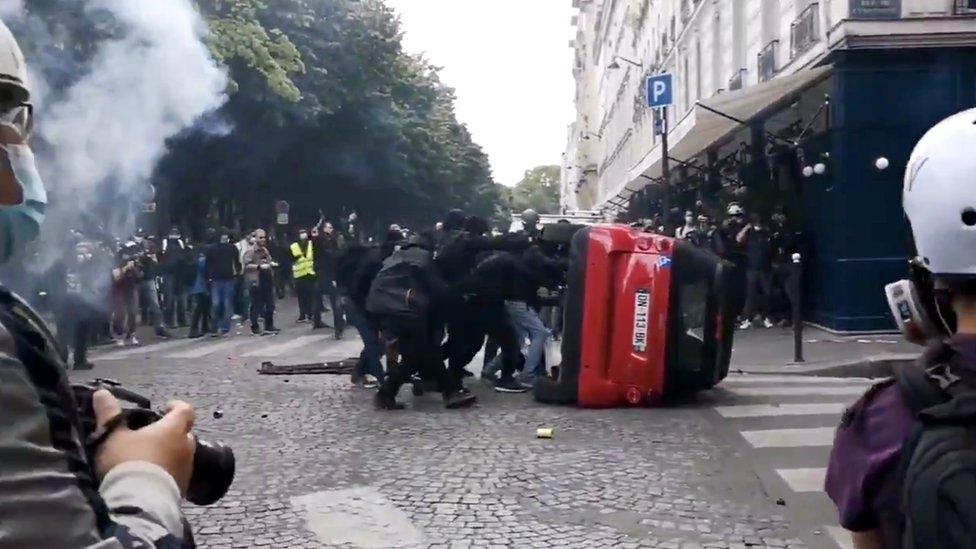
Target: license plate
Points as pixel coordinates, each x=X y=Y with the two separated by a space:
x=642 y=311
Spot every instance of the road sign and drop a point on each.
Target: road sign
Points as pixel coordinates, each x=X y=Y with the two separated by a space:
x=283 y=219
x=660 y=90
x=282 y=207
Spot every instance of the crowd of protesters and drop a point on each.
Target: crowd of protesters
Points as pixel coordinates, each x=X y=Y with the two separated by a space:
x=760 y=249
x=108 y=287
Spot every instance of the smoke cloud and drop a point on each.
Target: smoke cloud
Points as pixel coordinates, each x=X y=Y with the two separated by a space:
x=103 y=122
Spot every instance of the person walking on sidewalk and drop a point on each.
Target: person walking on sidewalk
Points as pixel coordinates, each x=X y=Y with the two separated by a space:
x=223 y=264
x=259 y=279
x=303 y=271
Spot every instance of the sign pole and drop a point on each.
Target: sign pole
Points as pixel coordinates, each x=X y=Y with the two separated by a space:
x=665 y=174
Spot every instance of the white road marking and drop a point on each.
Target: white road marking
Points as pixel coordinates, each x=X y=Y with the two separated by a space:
x=796 y=380
x=790 y=438
x=143 y=349
x=804 y=480
x=359 y=517
x=204 y=350
x=773 y=410
x=796 y=391
x=281 y=348
x=841 y=537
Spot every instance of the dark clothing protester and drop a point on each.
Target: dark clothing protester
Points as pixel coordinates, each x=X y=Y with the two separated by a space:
x=223 y=261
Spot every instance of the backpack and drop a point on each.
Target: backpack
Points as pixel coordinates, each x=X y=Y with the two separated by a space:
x=938 y=463
x=401 y=287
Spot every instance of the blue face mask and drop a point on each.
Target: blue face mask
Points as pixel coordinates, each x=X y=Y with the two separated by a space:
x=21 y=223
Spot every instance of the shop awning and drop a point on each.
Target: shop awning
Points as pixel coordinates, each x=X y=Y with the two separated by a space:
x=701 y=128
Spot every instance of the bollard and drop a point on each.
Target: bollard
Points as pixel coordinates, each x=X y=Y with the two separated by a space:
x=796 y=282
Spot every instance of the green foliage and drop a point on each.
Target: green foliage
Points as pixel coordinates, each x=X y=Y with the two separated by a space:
x=539 y=190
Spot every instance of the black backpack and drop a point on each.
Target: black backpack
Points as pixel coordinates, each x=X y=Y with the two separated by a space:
x=401 y=289
x=938 y=463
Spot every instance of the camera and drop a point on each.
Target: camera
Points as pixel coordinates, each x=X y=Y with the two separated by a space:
x=213 y=463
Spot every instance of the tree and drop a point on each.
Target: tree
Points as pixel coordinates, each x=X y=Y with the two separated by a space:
x=539 y=190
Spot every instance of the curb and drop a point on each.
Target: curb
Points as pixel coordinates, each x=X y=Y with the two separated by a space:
x=878 y=366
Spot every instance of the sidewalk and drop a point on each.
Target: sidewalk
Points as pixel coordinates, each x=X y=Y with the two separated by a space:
x=770 y=351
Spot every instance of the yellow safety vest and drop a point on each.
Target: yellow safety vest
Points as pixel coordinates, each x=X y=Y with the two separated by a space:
x=303 y=265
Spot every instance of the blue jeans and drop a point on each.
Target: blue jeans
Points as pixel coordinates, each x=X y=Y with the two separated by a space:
x=369 y=362
x=529 y=326
x=222 y=299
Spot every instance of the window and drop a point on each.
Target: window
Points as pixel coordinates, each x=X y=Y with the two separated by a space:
x=698 y=72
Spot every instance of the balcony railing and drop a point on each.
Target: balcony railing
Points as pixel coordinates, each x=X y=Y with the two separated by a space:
x=964 y=7
x=735 y=83
x=805 y=30
x=767 y=61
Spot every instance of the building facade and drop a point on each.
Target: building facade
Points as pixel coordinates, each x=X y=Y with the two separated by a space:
x=765 y=91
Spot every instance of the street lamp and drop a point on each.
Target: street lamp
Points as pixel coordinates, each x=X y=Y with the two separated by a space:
x=614 y=65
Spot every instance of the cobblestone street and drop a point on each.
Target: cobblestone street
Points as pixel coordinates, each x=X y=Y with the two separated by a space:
x=318 y=466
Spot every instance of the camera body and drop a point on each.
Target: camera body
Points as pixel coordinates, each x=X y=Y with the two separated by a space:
x=213 y=463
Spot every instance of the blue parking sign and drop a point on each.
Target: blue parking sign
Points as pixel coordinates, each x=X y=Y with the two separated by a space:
x=660 y=90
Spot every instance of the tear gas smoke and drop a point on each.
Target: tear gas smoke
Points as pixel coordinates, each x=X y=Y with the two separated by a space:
x=102 y=136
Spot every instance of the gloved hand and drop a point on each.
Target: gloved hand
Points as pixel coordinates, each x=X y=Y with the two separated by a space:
x=166 y=443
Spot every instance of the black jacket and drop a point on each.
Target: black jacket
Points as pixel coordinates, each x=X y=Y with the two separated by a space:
x=503 y=276
x=458 y=251
x=223 y=261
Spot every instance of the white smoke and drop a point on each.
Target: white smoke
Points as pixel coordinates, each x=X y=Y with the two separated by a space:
x=144 y=87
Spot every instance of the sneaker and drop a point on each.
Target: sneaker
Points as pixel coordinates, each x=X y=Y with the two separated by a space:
x=768 y=323
x=132 y=341
x=272 y=330
x=161 y=333
x=236 y=317
x=301 y=320
x=746 y=324
x=370 y=382
x=194 y=335
x=488 y=377
x=460 y=399
x=338 y=334
x=466 y=373
x=256 y=331
x=214 y=334
x=510 y=385
x=120 y=342
x=319 y=326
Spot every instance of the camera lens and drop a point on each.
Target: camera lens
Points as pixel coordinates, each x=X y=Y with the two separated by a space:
x=213 y=472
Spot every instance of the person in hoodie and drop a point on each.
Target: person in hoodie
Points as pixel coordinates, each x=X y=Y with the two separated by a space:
x=174 y=262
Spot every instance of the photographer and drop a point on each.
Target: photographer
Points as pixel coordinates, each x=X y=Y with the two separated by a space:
x=51 y=495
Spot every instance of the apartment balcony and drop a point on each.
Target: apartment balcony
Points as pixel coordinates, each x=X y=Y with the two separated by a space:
x=805 y=30
x=767 y=61
x=735 y=83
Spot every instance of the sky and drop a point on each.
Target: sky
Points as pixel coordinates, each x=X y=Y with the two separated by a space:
x=511 y=66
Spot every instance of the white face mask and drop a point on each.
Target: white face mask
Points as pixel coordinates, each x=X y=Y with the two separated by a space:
x=689 y=221
x=303 y=236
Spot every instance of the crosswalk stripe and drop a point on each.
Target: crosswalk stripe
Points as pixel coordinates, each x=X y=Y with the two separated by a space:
x=790 y=438
x=771 y=410
x=841 y=537
x=796 y=391
x=342 y=349
x=804 y=480
x=275 y=350
x=796 y=380
x=204 y=350
x=144 y=349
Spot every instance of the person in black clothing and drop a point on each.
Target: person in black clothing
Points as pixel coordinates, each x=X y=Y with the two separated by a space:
x=356 y=268
x=328 y=245
x=754 y=238
x=78 y=297
x=174 y=263
x=407 y=302
x=783 y=244
x=472 y=317
x=223 y=264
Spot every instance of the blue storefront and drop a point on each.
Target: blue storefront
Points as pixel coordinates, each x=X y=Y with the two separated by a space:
x=857 y=240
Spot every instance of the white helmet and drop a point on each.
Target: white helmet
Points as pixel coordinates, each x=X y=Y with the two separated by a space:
x=15 y=96
x=13 y=68
x=940 y=196
x=735 y=209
